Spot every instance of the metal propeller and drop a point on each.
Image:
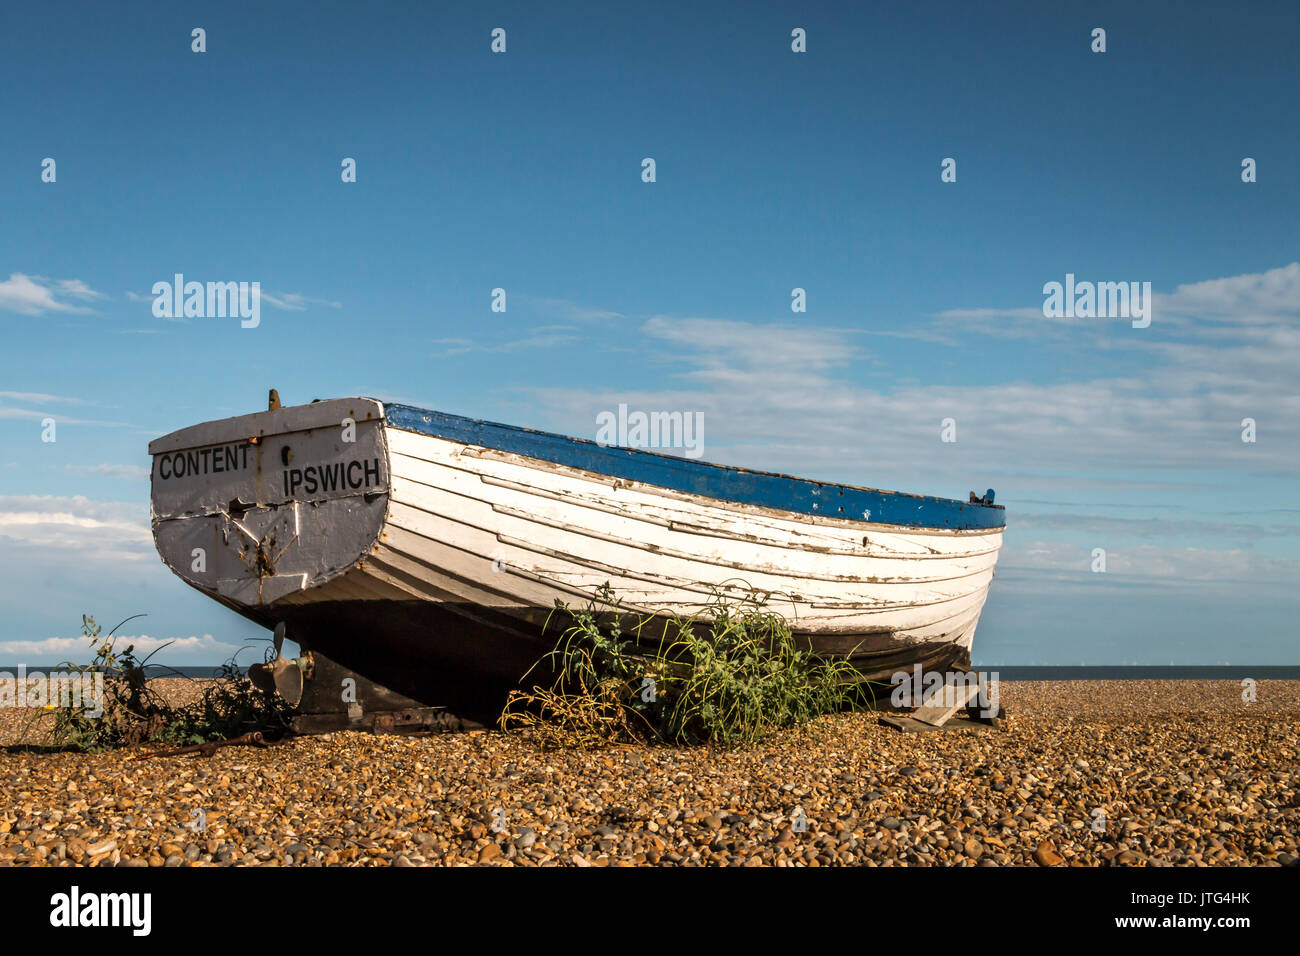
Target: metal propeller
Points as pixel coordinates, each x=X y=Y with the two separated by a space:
x=282 y=675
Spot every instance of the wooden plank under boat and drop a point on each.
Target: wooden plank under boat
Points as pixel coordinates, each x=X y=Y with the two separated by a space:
x=425 y=550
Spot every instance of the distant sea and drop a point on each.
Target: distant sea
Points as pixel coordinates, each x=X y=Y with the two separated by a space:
x=1008 y=672
x=153 y=670
x=1142 y=672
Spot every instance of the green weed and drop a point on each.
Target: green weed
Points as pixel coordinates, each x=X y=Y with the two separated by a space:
x=730 y=675
x=134 y=713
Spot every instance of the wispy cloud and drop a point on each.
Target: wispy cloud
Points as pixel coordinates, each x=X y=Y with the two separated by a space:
x=1261 y=297
x=1098 y=525
x=287 y=301
x=541 y=337
x=455 y=346
x=52 y=650
x=571 y=326
x=8 y=411
x=1246 y=307
x=1025 y=313
x=132 y=472
x=42 y=398
x=567 y=310
x=1145 y=565
x=717 y=345
x=34 y=295
x=294 y=302
x=785 y=392
x=92 y=530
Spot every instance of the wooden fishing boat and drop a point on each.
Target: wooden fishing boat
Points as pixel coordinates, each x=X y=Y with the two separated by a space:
x=424 y=551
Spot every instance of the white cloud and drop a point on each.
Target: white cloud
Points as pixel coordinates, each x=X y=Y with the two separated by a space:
x=1254 y=297
x=1144 y=565
x=779 y=395
x=92 y=530
x=33 y=295
x=133 y=472
x=458 y=346
x=1025 y=313
x=288 y=301
x=567 y=310
x=77 y=290
x=41 y=398
x=1152 y=528
x=78 y=650
x=294 y=302
x=8 y=411
x=559 y=333
x=716 y=344
x=1232 y=307
x=541 y=337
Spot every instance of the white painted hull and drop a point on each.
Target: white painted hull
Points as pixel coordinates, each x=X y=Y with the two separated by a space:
x=504 y=531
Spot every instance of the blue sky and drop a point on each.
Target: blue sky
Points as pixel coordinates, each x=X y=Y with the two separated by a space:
x=775 y=170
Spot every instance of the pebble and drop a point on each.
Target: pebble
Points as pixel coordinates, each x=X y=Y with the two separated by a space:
x=1046 y=855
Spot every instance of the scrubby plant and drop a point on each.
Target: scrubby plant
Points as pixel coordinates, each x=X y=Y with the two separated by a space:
x=134 y=713
x=729 y=675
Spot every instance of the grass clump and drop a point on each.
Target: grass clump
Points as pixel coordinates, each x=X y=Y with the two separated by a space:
x=134 y=713
x=730 y=675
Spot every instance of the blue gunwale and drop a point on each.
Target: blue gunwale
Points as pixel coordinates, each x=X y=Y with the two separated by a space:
x=723 y=482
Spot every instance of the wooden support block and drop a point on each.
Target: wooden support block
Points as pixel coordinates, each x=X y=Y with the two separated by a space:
x=951 y=698
x=910 y=725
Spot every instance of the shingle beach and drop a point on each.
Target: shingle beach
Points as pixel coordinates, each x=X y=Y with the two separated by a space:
x=1101 y=773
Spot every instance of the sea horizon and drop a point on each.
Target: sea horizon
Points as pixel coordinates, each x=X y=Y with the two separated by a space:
x=1006 y=672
